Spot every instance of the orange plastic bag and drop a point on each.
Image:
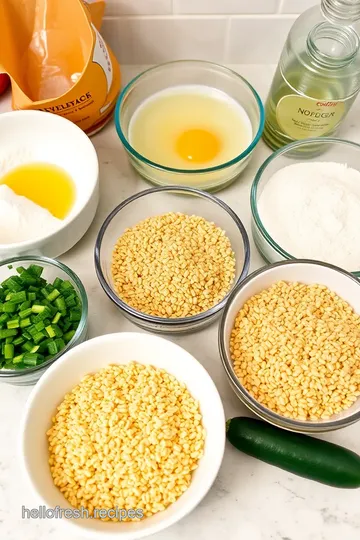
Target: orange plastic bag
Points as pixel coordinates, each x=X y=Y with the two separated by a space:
x=58 y=61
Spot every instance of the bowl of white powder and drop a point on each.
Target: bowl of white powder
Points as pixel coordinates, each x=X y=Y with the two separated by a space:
x=34 y=138
x=309 y=208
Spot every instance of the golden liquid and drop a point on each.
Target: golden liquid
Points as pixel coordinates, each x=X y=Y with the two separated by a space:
x=45 y=184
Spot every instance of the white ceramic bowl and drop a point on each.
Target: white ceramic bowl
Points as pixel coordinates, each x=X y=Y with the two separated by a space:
x=91 y=356
x=304 y=271
x=35 y=136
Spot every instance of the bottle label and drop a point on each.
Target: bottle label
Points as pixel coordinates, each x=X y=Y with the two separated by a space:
x=301 y=117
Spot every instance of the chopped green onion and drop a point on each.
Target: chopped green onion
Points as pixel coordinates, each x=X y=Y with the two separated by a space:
x=25 y=322
x=3 y=318
x=60 y=304
x=44 y=314
x=32 y=330
x=37 y=308
x=40 y=326
x=66 y=325
x=56 y=318
x=52 y=347
x=36 y=270
x=69 y=335
x=60 y=343
x=66 y=285
x=13 y=323
x=58 y=332
x=37 y=318
x=30 y=359
x=70 y=300
x=9 y=351
x=7 y=332
x=44 y=344
x=28 y=346
x=25 y=313
x=18 y=359
x=9 y=307
x=19 y=297
x=50 y=331
x=38 y=337
x=27 y=278
x=53 y=295
x=57 y=283
x=13 y=284
x=75 y=315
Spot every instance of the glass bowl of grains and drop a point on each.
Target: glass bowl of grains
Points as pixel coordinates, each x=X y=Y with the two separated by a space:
x=289 y=340
x=169 y=257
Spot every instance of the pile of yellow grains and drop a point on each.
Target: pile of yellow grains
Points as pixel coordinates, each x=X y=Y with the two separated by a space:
x=173 y=265
x=126 y=437
x=296 y=349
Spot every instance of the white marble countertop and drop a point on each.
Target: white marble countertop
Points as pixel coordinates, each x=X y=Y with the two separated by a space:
x=250 y=500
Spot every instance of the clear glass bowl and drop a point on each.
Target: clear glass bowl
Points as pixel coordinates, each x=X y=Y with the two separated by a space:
x=52 y=269
x=329 y=149
x=185 y=72
x=157 y=201
x=303 y=271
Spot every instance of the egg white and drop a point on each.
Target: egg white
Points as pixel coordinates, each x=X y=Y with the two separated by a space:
x=159 y=121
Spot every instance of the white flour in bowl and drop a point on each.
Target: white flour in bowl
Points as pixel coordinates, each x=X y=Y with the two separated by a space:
x=22 y=219
x=312 y=211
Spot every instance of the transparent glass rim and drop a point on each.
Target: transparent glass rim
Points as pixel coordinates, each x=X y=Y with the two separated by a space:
x=254 y=188
x=14 y=373
x=144 y=317
x=341 y=11
x=122 y=97
x=326 y=29
x=244 y=395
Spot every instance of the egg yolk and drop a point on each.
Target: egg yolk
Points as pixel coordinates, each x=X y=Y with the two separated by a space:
x=198 y=145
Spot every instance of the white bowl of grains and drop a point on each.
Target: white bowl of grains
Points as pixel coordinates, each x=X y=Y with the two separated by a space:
x=126 y=428
x=289 y=341
x=169 y=257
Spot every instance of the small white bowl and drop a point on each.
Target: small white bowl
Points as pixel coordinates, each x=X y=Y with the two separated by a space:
x=89 y=357
x=35 y=136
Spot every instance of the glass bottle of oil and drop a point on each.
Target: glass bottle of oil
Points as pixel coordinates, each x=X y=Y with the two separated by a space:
x=318 y=76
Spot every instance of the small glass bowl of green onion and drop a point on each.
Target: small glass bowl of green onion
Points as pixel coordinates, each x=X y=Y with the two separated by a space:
x=43 y=313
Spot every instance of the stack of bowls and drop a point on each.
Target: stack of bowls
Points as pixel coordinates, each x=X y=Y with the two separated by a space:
x=33 y=137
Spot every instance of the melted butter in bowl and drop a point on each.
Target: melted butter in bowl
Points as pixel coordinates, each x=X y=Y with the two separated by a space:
x=45 y=184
